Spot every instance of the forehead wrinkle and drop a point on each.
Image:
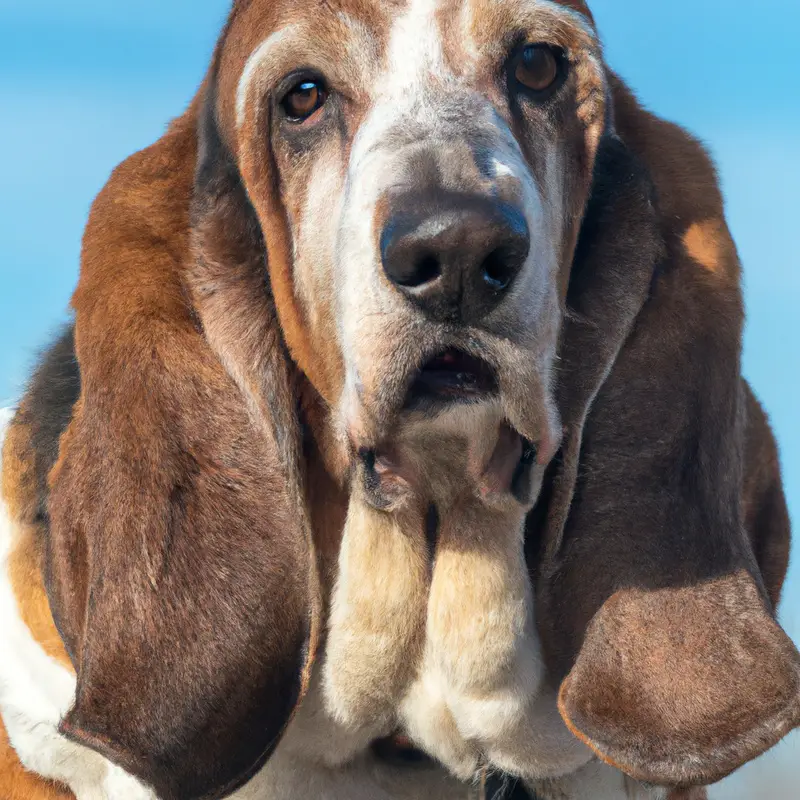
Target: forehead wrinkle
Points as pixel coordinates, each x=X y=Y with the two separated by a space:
x=554 y=11
x=577 y=17
x=360 y=54
x=414 y=62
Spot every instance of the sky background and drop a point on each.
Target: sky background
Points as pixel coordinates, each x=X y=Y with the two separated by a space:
x=84 y=83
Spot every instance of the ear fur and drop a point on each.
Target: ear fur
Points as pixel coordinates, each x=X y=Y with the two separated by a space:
x=180 y=566
x=649 y=593
x=765 y=513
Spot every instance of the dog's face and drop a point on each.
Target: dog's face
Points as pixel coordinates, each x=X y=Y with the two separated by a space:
x=431 y=161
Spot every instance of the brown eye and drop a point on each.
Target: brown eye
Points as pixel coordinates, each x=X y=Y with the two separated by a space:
x=304 y=99
x=537 y=67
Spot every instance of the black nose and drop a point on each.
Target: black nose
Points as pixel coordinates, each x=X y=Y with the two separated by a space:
x=455 y=258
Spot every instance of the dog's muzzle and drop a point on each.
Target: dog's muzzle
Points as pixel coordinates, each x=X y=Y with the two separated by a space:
x=453 y=255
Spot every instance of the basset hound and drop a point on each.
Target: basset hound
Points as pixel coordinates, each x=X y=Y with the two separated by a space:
x=399 y=448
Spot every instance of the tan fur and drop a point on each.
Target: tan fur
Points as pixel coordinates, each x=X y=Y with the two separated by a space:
x=375 y=626
x=319 y=757
x=27 y=583
x=25 y=559
x=18 y=482
x=539 y=744
x=480 y=654
x=478 y=694
x=704 y=242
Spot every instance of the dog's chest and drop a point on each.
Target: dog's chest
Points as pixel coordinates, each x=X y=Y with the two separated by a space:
x=431 y=623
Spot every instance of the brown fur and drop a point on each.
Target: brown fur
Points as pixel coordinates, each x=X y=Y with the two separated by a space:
x=764 y=509
x=673 y=636
x=670 y=438
x=188 y=452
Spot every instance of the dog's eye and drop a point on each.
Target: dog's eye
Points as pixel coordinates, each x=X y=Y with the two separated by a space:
x=537 y=67
x=303 y=99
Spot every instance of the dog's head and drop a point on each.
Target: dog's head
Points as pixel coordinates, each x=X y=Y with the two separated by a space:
x=375 y=213
x=427 y=165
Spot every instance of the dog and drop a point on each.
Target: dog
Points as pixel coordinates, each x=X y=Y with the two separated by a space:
x=399 y=447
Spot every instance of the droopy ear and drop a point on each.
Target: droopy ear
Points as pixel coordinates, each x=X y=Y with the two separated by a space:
x=180 y=564
x=765 y=513
x=681 y=685
x=648 y=591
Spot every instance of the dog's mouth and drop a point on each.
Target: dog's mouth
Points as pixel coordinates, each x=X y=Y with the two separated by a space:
x=451 y=376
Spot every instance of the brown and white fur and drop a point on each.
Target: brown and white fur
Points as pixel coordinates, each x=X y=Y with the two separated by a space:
x=318 y=757
x=250 y=530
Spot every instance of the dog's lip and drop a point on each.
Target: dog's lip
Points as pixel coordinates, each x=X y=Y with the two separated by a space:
x=452 y=374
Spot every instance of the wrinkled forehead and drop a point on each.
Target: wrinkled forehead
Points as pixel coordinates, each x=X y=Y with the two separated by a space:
x=355 y=42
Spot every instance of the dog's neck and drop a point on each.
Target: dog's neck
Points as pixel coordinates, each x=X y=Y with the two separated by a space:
x=430 y=623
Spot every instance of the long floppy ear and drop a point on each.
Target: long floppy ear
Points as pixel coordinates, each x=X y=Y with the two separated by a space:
x=650 y=597
x=765 y=513
x=180 y=568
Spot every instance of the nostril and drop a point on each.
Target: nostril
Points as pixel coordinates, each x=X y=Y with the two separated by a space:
x=417 y=271
x=429 y=268
x=498 y=270
x=409 y=261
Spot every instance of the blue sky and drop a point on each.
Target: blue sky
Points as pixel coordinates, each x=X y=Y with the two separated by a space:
x=84 y=83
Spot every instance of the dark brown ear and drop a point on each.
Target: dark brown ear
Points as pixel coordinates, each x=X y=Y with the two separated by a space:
x=766 y=515
x=180 y=564
x=650 y=597
x=681 y=685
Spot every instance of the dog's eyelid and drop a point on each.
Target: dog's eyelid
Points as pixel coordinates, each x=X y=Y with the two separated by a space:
x=301 y=94
x=296 y=77
x=335 y=87
x=537 y=69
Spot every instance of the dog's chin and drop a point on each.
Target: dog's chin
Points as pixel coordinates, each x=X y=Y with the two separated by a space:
x=490 y=395
x=417 y=378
